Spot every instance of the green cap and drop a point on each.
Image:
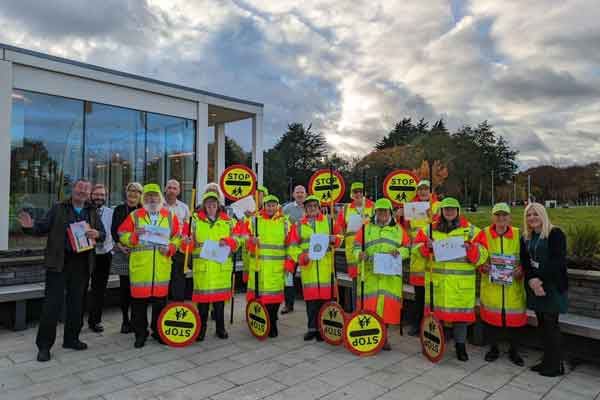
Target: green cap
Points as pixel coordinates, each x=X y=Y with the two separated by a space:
x=356 y=186
x=210 y=195
x=312 y=198
x=151 y=188
x=263 y=189
x=449 y=202
x=424 y=182
x=500 y=207
x=270 y=198
x=384 y=204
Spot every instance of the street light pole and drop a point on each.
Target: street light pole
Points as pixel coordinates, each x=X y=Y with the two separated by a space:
x=528 y=188
x=493 y=188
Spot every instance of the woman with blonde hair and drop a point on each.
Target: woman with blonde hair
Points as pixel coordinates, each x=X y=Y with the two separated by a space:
x=214 y=187
x=547 y=283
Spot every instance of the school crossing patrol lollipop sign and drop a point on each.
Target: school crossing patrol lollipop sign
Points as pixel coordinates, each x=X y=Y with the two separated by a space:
x=400 y=186
x=237 y=182
x=179 y=324
x=327 y=185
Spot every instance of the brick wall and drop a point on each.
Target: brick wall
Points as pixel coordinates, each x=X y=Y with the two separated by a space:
x=584 y=293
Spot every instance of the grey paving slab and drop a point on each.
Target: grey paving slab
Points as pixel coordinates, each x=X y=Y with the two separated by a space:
x=307 y=390
x=344 y=375
x=110 y=370
x=510 y=392
x=91 y=390
x=157 y=371
x=208 y=370
x=461 y=392
x=534 y=382
x=251 y=391
x=253 y=372
x=304 y=372
x=5 y=362
x=40 y=389
x=489 y=378
x=410 y=391
x=67 y=369
x=147 y=390
x=199 y=390
x=219 y=353
x=441 y=377
x=357 y=390
x=581 y=384
x=560 y=393
x=10 y=380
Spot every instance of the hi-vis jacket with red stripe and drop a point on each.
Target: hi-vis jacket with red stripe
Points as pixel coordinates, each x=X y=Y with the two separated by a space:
x=453 y=281
x=273 y=254
x=316 y=275
x=343 y=220
x=149 y=269
x=212 y=280
x=495 y=297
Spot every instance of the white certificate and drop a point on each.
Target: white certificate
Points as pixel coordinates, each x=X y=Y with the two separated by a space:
x=449 y=249
x=242 y=205
x=213 y=252
x=155 y=235
x=354 y=223
x=386 y=264
x=318 y=246
x=416 y=211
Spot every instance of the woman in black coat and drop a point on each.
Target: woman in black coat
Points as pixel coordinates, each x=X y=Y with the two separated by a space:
x=120 y=260
x=544 y=261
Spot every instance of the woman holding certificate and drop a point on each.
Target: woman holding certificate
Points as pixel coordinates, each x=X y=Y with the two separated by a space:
x=456 y=248
x=547 y=283
x=315 y=271
x=386 y=245
x=211 y=242
x=502 y=292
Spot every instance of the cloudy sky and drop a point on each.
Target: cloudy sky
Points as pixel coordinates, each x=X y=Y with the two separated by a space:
x=353 y=68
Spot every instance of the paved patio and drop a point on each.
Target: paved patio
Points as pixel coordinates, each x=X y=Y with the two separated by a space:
x=286 y=368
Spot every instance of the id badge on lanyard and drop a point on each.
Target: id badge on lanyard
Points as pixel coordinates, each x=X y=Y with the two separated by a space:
x=535 y=264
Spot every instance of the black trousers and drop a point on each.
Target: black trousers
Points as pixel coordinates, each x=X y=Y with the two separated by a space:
x=312 y=312
x=549 y=334
x=177 y=284
x=290 y=292
x=495 y=334
x=65 y=287
x=125 y=296
x=419 y=305
x=219 y=309
x=99 y=281
x=273 y=309
x=139 y=314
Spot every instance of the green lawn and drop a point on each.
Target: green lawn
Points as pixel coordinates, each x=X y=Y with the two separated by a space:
x=562 y=217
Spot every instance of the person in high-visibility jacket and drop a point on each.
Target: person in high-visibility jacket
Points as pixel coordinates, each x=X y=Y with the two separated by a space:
x=315 y=274
x=262 y=192
x=359 y=209
x=502 y=298
x=453 y=280
x=149 y=263
x=212 y=280
x=273 y=243
x=416 y=275
x=383 y=293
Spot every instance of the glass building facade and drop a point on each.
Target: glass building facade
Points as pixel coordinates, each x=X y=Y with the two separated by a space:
x=55 y=140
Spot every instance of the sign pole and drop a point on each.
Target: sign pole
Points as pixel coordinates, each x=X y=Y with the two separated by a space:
x=232 y=289
x=333 y=283
x=362 y=262
x=256 y=294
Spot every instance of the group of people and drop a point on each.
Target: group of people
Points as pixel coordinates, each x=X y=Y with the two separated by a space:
x=275 y=242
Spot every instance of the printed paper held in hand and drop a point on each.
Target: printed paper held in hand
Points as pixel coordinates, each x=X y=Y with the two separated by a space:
x=354 y=223
x=416 y=211
x=318 y=246
x=386 y=264
x=213 y=252
x=501 y=269
x=243 y=205
x=80 y=242
x=449 y=249
x=155 y=235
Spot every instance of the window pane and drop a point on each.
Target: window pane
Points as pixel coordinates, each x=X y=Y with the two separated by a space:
x=238 y=143
x=112 y=137
x=46 y=140
x=176 y=137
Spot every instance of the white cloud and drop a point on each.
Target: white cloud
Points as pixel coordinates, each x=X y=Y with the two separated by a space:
x=354 y=68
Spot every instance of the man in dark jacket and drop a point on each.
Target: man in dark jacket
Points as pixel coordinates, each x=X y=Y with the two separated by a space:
x=67 y=270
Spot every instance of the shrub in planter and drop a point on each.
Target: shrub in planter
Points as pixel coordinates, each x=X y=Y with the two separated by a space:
x=583 y=240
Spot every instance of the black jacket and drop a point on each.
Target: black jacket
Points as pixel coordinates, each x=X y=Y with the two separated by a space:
x=120 y=213
x=554 y=271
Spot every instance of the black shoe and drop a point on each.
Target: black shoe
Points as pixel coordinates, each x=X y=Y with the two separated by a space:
x=552 y=373
x=310 y=335
x=538 y=367
x=201 y=334
x=387 y=346
x=43 y=355
x=461 y=352
x=76 y=345
x=414 y=331
x=126 y=327
x=287 y=310
x=273 y=333
x=98 y=328
x=222 y=334
x=516 y=359
x=492 y=355
x=319 y=337
x=140 y=341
